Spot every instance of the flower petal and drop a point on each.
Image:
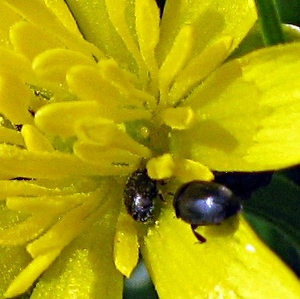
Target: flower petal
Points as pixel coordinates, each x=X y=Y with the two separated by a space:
x=148 y=32
x=230 y=264
x=16 y=162
x=9 y=17
x=68 y=114
x=15 y=64
x=12 y=258
x=10 y=188
x=61 y=9
x=30 y=274
x=35 y=141
x=212 y=19
x=176 y=59
x=247 y=121
x=14 y=101
x=48 y=21
x=53 y=64
x=24 y=37
x=126 y=246
x=27 y=230
x=102 y=33
x=67 y=228
x=85 y=269
x=11 y=136
x=199 y=68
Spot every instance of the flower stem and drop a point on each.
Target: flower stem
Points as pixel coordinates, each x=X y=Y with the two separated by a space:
x=270 y=22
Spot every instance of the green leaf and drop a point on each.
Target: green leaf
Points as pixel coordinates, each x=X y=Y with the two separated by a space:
x=278 y=204
x=270 y=22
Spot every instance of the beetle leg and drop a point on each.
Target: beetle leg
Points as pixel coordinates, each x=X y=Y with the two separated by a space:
x=199 y=237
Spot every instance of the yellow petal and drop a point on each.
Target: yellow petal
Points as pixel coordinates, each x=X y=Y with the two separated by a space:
x=213 y=20
x=35 y=140
x=115 y=156
x=9 y=17
x=67 y=228
x=108 y=85
x=88 y=83
x=24 y=37
x=11 y=136
x=15 y=64
x=147 y=32
x=27 y=230
x=105 y=133
x=19 y=188
x=45 y=204
x=126 y=246
x=176 y=59
x=61 y=9
x=199 y=67
x=16 y=162
x=102 y=34
x=14 y=99
x=66 y=114
x=14 y=259
x=123 y=80
x=230 y=264
x=117 y=16
x=27 y=277
x=248 y=114
x=85 y=268
x=48 y=21
x=57 y=62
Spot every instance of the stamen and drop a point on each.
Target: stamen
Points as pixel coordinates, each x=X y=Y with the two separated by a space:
x=161 y=167
x=179 y=118
x=188 y=170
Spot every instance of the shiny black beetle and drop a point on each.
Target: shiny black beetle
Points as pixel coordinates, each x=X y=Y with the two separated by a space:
x=205 y=203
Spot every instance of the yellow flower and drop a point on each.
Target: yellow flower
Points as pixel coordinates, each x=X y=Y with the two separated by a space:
x=86 y=104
